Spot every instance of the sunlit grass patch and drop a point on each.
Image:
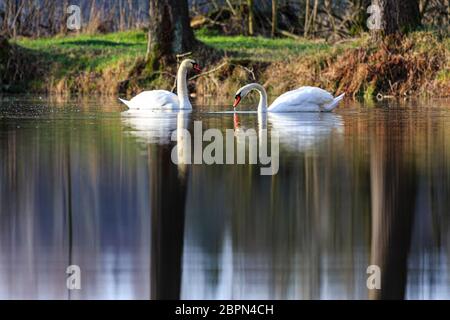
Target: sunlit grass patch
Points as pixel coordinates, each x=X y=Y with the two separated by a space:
x=262 y=49
x=88 y=52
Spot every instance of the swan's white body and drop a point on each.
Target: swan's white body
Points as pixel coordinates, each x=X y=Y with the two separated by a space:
x=163 y=99
x=155 y=99
x=304 y=99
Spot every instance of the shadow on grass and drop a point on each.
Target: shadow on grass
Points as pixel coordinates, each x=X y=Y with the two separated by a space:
x=99 y=43
x=30 y=69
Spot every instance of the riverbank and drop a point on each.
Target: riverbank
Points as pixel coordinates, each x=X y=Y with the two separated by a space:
x=108 y=65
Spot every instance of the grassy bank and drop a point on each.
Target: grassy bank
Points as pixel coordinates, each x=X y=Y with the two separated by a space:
x=103 y=63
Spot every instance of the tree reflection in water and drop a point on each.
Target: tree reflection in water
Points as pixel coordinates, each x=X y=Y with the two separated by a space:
x=364 y=186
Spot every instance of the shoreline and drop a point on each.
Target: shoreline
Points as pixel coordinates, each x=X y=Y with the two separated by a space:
x=109 y=65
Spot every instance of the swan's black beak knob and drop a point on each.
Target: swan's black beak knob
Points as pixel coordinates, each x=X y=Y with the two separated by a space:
x=197 y=68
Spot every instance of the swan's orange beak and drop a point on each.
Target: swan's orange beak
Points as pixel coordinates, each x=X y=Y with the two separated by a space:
x=237 y=99
x=197 y=68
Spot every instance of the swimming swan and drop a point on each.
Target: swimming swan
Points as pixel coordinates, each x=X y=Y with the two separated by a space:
x=304 y=99
x=163 y=99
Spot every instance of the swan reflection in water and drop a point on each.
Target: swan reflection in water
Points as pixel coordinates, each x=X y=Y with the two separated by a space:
x=154 y=127
x=157 y=128
x=236 y=268
x=297 y=132
x=168 y=191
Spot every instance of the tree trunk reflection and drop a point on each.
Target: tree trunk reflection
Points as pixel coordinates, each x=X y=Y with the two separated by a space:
x=393 y=180
x=168 y=197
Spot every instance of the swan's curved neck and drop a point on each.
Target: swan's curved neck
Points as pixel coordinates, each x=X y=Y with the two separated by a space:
x=262 y=105
x=182 y=90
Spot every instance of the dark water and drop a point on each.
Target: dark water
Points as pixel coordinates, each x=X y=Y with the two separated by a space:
x=82 y=185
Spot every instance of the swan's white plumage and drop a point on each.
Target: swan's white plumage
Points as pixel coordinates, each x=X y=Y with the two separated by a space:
x=303 y=99
x=155 y=99
x=165 y=100
x=307 y=99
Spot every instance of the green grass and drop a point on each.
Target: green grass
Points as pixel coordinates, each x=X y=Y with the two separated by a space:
x=87 y=52
x=97 y=52
x=262 y=49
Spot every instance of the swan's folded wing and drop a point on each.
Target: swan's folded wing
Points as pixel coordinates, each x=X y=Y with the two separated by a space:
x=302 y=96
x=155 y=99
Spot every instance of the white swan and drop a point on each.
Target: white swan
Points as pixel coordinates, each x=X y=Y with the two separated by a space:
x=304 y=99
x=163 y=99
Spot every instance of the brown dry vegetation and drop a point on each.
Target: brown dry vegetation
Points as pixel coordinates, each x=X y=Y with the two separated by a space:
x=394 y=67
x=414 y=66
x=398 y=67
x=105 y=82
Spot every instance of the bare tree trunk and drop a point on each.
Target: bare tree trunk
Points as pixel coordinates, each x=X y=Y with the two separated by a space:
x=131 y=16
x=314 y=16
x=121 y=16
x=169 y=32
x=274 y=17
x=63 y=26
x=93 y=24
x=329 y=10
x=306 y=28
x=251 y=18
x=16 y=18
x=398 y=16
x=51 y=18
x=36 y=20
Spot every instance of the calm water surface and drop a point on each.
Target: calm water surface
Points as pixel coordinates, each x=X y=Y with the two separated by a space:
x=80 y=184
